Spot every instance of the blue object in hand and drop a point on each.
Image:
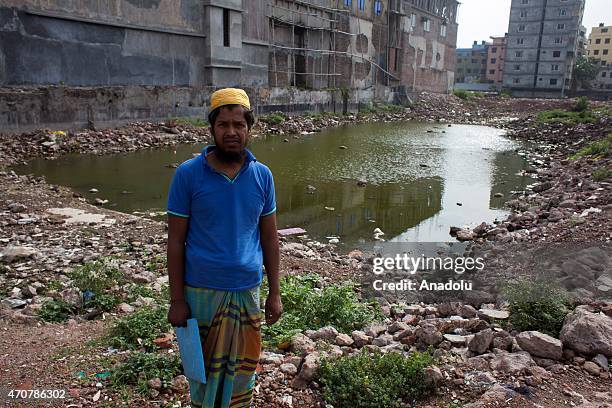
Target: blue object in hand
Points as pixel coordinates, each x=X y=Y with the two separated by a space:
x=190 y=347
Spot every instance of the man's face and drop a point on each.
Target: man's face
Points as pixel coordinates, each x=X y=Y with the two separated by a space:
x=231 y=134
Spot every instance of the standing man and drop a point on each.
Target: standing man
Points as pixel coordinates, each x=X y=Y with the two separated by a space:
x=221 y=230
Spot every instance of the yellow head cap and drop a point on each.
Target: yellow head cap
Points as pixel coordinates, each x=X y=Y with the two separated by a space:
x=229 y=96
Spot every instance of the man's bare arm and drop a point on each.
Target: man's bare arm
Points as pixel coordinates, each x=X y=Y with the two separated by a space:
x=177 y=234
x=271 y=253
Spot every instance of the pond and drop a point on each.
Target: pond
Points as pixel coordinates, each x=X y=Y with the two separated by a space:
x=411 y=180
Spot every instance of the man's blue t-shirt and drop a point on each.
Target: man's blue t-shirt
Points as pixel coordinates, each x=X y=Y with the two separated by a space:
x=222 y=248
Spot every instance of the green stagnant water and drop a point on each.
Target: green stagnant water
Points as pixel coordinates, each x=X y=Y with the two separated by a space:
x=416 y=173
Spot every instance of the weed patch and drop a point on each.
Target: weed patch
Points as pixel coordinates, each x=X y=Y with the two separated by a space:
x=602 y=173
x=275 y=118
x=375 y=380
x=569 y=118
x=599 y=148
x=139 y=368
x=195 y=122
x=308 y=307
x=56 y=311
x=539 y=305
x=139 y=329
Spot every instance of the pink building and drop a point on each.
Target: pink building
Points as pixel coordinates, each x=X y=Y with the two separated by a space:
x=495 y=61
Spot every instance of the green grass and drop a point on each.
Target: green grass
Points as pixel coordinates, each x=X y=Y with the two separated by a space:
x=365 y=380
x=566 y=117
x=308 y=307
x=465 y=95
x=275 y=118
x=505 y=93
x=537 y=305
x=140 y=328
x=599 y=148
x=379 y=108
x=139 y=368
x=195 y=122
x=602 y=173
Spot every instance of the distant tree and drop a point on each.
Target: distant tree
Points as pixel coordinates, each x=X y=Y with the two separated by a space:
x=585 y=70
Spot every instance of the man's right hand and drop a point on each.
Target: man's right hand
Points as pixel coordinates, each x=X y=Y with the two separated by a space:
x=178 y=313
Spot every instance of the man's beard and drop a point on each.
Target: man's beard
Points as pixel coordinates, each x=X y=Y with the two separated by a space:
x=230 y=157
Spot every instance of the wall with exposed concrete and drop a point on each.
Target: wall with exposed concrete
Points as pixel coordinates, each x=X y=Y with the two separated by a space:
x=63 y=107
x=136 y=44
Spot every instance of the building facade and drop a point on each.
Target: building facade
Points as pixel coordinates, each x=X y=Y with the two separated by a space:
x=472 y=63
x=495 y=60
x=599 y=45
x=308 y=44
x=543 y=38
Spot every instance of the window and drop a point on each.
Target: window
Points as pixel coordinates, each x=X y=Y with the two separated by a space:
x=378 y=7
x=469 y=71
x=493 y=60
x=519 y=41
x=524 y=1
x=607 y=41
x=484 y=61
x=226 y=27
x=517 y=80
x=558 y=40
x=553 y=81
x=521 y=27
x=494 y=50
x=427 y=24
x=603 y=63
x=474 y=61
x=523 y=13
x=443 y=30
x=491 y=71
x=605 y=52
x=413 y=18
x=562 y=12
x=483 y=71
x=554 y=67
x=348 y=3
x=517 y=67
x=560 y=26
x=518 y=54
x=596 y=52
x=604 y=30
x=556 y=54
x=361 y=4
x=603 y=74
x=598 y=41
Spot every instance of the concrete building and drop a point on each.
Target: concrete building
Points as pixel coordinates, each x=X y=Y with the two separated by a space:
x=582 y=42
x=289 y=54
x=472 y=63
x=495 y=60
x=599 y=46
x=543 y=38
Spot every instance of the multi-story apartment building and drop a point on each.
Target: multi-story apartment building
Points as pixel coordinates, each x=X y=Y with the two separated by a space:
x=471 y=64
x=543 y=37
x=600 y=44
x=495 y=60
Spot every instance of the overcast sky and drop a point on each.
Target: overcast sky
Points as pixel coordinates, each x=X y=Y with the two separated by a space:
x=480 y=19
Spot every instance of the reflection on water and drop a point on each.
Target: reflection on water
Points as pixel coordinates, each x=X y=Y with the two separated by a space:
x=414 y=174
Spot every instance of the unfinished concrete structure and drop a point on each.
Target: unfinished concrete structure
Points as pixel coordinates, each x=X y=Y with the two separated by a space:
x=161 y=58
x=543 y=39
